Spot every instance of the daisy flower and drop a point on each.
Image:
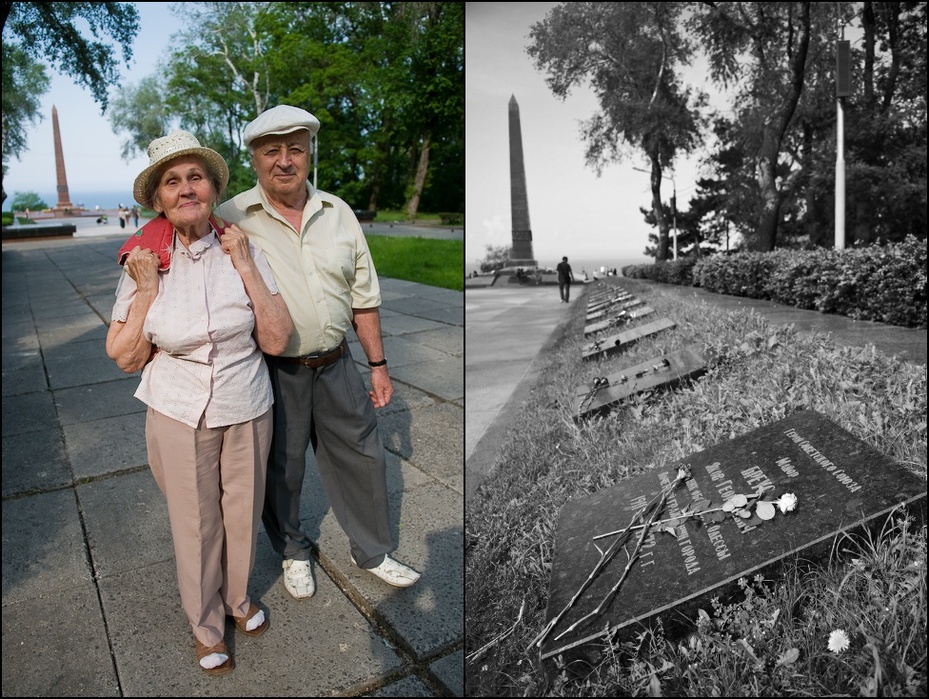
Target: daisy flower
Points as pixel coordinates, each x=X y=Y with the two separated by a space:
x=838 y=641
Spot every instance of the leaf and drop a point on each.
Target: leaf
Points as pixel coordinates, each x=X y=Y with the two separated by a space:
x=765 y=510
x=701 y=505
x=703 y=615
x=744 y=514
x=654 y=687
x=788 y=657
x=735 y=502
x=717 y=517
x=670 y=530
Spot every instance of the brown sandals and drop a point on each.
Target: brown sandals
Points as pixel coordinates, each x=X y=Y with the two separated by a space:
x=240 y=623
x=203 y=651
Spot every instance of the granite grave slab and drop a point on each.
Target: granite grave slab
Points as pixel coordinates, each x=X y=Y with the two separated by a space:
x=620 y=318
x=631 y=302
x=611 y=300
x=841 y=485
x=665 y=371
x=598 y=349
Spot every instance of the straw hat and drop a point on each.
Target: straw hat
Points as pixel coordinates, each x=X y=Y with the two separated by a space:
x=165 y=149
x=280 y=120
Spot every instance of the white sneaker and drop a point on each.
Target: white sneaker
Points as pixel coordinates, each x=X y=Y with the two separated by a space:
x=297 y=579
x=393 y=573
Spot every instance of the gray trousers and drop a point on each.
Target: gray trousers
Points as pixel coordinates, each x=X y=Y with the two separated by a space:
x=329 y=408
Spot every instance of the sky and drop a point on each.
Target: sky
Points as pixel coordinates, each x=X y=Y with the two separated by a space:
x=572 y=212
x=91 y=149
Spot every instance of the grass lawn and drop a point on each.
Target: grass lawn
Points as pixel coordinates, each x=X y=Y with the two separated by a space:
x=422 y=260
x=773 y=638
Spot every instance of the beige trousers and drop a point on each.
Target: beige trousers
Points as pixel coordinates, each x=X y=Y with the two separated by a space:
x=214 y=484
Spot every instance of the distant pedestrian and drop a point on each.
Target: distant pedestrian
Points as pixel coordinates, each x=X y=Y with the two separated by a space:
x=565 y=277
x=121 y=213
x=135 y=216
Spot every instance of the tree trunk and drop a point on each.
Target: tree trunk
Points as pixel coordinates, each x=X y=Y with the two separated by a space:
x=658 y=209
x=863 y=232
x=773 y=134
x=412 y=205
x=766 y=235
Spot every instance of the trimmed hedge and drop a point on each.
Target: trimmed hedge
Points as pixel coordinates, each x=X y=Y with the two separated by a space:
x=881 y=283
x=672 y=272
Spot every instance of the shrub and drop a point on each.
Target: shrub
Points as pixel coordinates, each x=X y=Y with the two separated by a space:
x=669 y=272
x=451 y=219
x=881 y=283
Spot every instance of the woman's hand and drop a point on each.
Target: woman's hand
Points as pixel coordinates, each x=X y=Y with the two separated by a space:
x=142 y=267
x=235 y=244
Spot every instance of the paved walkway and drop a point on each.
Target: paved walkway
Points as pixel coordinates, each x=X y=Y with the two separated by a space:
x=90 y=602
x=510 y=326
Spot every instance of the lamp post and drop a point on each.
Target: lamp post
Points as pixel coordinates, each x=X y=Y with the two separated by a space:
x=843 y=88
x=673 y=203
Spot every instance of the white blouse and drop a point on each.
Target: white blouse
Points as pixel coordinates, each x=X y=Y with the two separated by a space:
x=208 y=364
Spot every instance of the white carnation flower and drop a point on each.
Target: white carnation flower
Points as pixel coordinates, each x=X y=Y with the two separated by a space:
x=788 y=502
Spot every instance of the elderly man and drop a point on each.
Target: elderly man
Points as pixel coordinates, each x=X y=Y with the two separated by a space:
x=322 y=265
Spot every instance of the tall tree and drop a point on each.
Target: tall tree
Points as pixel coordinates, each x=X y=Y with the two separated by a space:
x=886 y=138
x=434 y=96
x=763 y=47
x=629 y=53
x=34 y=32
x=140 y=112
x=24 y=83
x=48 y=31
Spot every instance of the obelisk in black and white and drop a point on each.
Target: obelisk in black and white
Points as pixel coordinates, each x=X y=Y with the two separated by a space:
x=519 y=200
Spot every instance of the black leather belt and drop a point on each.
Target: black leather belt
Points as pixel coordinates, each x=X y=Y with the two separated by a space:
x=315 y=361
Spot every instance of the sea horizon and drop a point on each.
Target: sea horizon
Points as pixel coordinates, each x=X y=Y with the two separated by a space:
x=580 y=265
x=90 y=200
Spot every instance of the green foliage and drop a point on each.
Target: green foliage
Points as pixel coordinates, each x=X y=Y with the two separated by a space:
x=383 y=78
x=27 y=200
x=422 y=260
x=451 y=219
x=881 y=283
x=139 y=111
x=678 y=271
x=495 y=258
x=48 y=31
x=24 y=83
x=630 y=53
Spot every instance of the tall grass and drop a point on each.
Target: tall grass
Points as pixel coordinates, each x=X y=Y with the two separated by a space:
x=423 y=260
x=773 y=640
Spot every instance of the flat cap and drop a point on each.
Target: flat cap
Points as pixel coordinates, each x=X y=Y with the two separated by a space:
x=280 y=120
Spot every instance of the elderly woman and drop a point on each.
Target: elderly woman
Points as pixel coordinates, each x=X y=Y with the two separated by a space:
x=194 y=311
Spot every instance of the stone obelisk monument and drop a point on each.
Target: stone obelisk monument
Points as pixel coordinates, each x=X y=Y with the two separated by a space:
x=519 y=200
x=64 y=201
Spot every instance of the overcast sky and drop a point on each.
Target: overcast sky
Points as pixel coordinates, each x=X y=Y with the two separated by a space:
x=571 y=211
x=91 y=149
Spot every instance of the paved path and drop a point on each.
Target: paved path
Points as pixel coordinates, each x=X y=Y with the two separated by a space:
x=507 y=330
x=509 y=327
x=90 y=602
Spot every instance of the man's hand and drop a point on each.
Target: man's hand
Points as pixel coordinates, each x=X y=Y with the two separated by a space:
x=382 y=389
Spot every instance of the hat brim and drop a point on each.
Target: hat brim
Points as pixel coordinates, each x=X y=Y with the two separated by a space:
x=214 y=162
x=284 y=132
